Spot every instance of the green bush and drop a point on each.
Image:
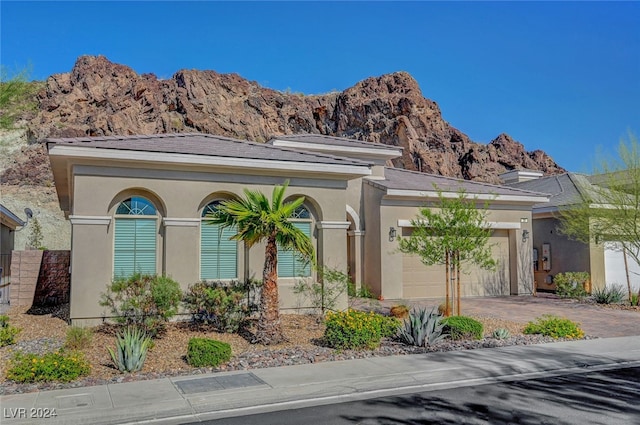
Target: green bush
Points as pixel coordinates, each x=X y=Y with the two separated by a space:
x=462 y=327
x=7 y=332
x=325 y=293
x=555 y=327
x=613 y=294
x=59 y=366
x=635 y=300
x=78 y=338
x=132 y=345
x=207 y=352
x=571 y=284
x=354 y=329
x=222 y=304
x=143 y=300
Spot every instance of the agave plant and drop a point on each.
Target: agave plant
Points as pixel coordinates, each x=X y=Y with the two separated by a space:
x=131 y=349
x=501 y=333
x=422 y=328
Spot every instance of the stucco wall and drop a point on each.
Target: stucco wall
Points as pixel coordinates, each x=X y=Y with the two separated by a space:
x=566 y=255
x=180 y=197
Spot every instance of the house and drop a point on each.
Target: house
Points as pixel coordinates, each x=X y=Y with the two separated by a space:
x=8 y=224
x=554 y=252
x=136 y=203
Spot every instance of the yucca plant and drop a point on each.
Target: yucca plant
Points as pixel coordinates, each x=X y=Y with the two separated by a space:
x=501 y=333
x=131 y=349
x=422 y=328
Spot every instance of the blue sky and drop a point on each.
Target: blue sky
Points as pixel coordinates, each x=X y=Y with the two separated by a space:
x=561 y=77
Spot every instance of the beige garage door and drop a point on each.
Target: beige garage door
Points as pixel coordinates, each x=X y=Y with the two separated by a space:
x=420 y=281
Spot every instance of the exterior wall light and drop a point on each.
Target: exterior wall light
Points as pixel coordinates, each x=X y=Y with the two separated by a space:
x=392 y=234
x=525 y=235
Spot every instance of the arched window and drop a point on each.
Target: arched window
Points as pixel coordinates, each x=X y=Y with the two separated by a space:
x=290 y=264
x=135 y=237
x=218 y=253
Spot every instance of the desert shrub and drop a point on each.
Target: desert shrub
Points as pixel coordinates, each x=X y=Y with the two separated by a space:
x=222 y=304
x=143 y=300
x=571 y=284
x=324 y=295
x=400 y=311
x=501 y=333
x=422 y=328
x=7 y=332
x=363 y=292
x=462 y=327
x=78 y=338
x=635 y=300
x=132 y=345
x=613 y=294
x=555 y=327
x=353 y=329
x=58 y=366
x=207 y=352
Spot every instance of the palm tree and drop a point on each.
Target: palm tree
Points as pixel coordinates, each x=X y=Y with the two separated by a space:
x=257 y=219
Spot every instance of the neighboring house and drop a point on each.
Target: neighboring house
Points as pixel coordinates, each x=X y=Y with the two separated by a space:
x=8 y=224
x=555 y=252
x=136 y=203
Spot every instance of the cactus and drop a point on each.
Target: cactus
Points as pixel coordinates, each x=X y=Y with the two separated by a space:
x=422 y=328
x=501 y=333
x=131 y=349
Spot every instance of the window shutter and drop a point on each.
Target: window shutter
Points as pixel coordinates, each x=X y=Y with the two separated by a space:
x=135 y=247
x=290 y=264
x=218 y=254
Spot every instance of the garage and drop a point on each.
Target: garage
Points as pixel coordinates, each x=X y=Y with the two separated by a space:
x=614 y=269
x=420 y=281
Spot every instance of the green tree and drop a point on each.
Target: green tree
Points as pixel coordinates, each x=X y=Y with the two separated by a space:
x=16 y=96
x=36 y=237
x=257 y=219
x=452 y=233
x=608 y=211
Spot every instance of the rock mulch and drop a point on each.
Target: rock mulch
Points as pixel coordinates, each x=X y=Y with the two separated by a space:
x=42 y=333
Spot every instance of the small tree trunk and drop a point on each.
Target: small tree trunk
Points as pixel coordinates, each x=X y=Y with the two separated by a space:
x=458 y=284
x=447 y=305
x=626 y=269
x=269 y=330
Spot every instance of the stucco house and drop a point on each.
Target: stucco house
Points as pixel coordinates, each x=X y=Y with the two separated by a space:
x=554 y=252
x=137 y=203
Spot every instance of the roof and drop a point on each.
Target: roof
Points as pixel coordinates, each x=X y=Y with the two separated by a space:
x=564 y=189
x=335 y=141
x=398 y=181
x=204 y=145
x=9 y=219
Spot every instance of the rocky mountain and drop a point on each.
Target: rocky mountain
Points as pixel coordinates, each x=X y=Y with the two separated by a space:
x=99 y=97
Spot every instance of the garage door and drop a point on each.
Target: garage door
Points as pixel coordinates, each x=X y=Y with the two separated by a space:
x=614 y=270
x=420 y=281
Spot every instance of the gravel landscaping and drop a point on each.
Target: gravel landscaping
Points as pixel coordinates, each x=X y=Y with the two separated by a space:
x=46 y=331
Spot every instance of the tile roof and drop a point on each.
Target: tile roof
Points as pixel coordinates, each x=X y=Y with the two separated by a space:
x=204 y=144
x=397 y=178
x=335 y=141
x=564 y=189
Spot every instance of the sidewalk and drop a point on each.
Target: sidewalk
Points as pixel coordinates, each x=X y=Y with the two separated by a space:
x=204 y=397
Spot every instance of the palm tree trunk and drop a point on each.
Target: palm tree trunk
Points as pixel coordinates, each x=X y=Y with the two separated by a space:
x=269 y=330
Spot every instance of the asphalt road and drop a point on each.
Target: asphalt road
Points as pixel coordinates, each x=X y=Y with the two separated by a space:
x=608 y=398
